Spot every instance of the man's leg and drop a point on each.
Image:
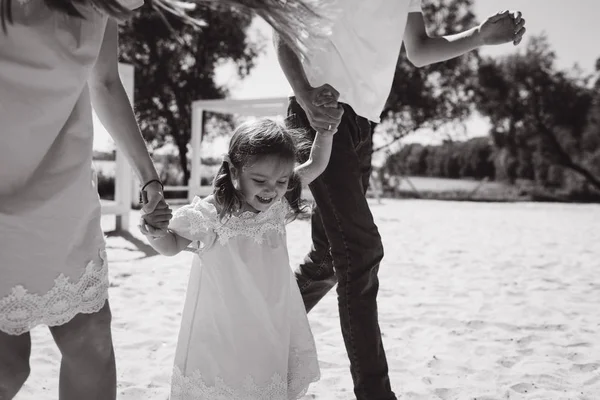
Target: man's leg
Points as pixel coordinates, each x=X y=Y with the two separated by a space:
x=14 y=363
x=87 y=370
x=356 y=250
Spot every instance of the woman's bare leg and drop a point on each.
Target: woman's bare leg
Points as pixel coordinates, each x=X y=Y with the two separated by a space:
x=14 y=363
x=87 y=370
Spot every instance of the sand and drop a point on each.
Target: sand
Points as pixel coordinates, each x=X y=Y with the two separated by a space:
x=477 y=301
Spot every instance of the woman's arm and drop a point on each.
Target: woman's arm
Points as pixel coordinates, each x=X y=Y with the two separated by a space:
x=318 y=160
x=114 y=109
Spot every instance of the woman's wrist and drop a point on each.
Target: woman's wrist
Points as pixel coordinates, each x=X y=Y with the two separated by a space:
x=146 y=170
x=153 y=184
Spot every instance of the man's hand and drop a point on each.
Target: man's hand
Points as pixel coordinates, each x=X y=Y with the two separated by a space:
x=321 y=108
x=504 y=27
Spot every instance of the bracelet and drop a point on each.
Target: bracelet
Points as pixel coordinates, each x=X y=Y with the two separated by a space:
x=143 y=196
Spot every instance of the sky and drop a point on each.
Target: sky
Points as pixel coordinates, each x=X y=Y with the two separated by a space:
x=572 y=31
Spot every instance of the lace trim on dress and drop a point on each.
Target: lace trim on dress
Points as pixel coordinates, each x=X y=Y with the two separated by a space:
x=199 y=221
x=303 y=372
x=21 y=311
x=253 y=225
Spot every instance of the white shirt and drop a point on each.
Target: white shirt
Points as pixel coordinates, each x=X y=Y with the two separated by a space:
x=359 y=59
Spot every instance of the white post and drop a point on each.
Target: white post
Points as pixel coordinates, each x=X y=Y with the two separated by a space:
x=196 y=139
x=123 y=174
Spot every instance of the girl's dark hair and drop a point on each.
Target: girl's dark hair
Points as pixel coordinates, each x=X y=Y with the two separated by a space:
x=260 y=138
x=70 y=7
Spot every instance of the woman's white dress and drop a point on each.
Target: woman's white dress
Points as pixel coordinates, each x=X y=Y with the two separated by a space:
x=244 y=331
x=52 y=259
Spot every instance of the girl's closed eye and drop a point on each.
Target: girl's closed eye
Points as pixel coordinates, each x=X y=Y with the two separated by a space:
x=258 y=180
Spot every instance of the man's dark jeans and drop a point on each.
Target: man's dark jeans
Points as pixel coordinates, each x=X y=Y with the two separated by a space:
x=347 y=249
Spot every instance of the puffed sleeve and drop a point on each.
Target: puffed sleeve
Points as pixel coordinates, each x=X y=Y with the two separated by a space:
x=196 y=222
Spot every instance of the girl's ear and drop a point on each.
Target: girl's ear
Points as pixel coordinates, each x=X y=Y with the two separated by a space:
x=234 y=171
x=234 y=177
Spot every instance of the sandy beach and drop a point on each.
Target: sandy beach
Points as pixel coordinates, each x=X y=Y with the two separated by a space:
x=477 y=301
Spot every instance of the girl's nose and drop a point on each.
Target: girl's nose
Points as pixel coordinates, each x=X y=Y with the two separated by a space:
x=270 y=189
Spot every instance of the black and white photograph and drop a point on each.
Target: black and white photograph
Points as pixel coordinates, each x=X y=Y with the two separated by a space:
x=299 y=200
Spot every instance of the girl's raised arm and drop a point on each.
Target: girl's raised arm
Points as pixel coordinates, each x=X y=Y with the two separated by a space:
x=318 y=160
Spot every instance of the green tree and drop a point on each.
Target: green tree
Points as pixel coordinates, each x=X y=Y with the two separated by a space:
x=172 y=70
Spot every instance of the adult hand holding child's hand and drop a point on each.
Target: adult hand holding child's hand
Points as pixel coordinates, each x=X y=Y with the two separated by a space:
x=321 y=107
x=156 y=213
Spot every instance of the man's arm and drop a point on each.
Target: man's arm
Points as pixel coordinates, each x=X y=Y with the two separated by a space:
x=423 y=49
x=311 y=99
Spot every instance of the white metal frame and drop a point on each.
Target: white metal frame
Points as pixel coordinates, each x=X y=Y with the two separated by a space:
x=125 y=186
x=250 y=108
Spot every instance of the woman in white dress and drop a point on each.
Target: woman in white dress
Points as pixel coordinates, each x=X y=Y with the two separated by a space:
x=244 y=332
x=56 y=58
x=53 y=268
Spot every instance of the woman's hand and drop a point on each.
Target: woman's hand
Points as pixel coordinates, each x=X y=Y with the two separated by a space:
x=156 y=213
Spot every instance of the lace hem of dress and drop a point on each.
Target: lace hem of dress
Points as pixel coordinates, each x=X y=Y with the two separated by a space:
x=21 y=311
x=293 y=388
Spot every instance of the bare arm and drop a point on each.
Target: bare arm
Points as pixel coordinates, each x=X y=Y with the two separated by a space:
x=114 y=109
x=170 y=244
x=318 y=160
x=291 y=65
x=311 y=99
x=422 y=49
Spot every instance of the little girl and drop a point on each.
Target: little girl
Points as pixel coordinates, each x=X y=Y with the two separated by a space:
x=244 y=331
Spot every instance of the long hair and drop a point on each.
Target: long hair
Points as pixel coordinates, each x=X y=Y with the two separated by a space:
x=256 y=139
x=301 y=23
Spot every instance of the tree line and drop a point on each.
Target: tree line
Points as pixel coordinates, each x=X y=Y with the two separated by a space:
x=544 y=121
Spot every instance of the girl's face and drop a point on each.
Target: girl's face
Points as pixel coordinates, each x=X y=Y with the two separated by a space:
x=263 y=181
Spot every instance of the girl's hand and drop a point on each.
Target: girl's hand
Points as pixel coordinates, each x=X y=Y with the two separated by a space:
x=504 y=27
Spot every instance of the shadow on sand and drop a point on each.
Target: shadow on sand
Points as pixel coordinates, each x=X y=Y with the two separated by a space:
x=139 y=244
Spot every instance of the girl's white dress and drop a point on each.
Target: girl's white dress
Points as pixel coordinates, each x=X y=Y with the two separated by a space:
x=244 y=331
